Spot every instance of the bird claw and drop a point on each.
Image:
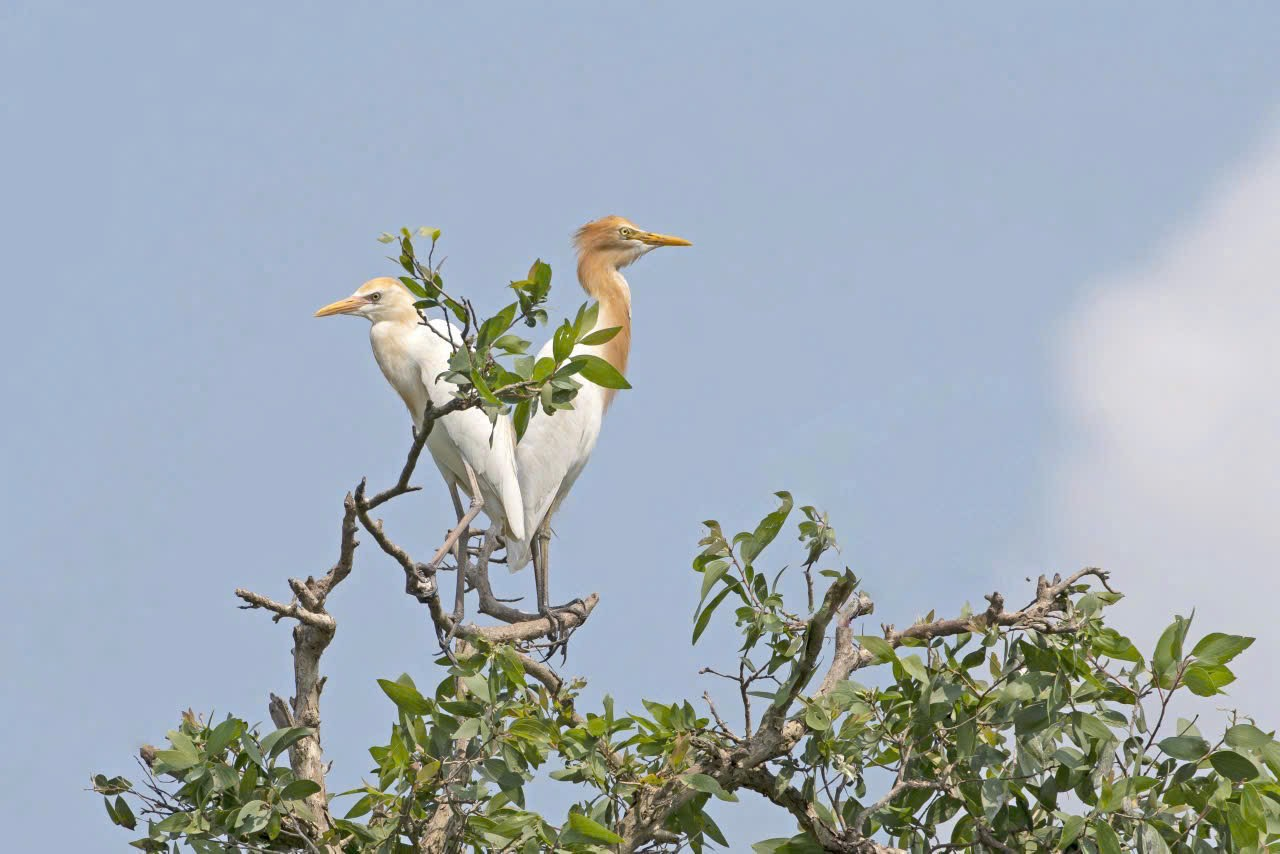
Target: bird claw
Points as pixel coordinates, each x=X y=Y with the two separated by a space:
x=559 y=630
x=422 y=584
x=446 y=637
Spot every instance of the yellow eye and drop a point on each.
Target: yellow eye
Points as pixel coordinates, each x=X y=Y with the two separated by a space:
x=375 y=296
x=626 y=232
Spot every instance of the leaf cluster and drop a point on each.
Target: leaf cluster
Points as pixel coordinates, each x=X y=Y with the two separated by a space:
x=490 y=364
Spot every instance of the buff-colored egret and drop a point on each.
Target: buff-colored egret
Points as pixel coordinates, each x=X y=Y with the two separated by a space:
x=412 y=357
x=555 y=448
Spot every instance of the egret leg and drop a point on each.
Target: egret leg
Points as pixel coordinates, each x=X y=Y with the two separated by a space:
x=559 y=631
x=456 y=543
x=460 y=591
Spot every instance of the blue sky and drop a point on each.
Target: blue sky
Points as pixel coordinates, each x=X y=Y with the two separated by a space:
x=917 y=236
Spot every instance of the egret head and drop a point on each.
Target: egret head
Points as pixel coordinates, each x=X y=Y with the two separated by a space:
x=619 y=242
x=377 y=299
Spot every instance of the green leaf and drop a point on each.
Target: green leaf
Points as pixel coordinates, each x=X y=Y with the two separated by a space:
x=183 y=755
x=601 y=336
x=224 y=776
x=520 y=418
x=540 y=273
x=801 y=844
x=483 y=388
x=597 y=370
x=704 y=616
x=222 y=736
x=282 y=739
x=1187 y=747
x=915 y=668
x=543 y=368
x=414 y=288
x=253 y=817
x=592 y=829
x=588 y=313
x=513 y=344
x=299 y=789
x=1169 y=651
x=1247 y=737
x=123 y=815
x=878 y=647
x=478 y=685
x=1233 y=766
x=707 y=783
x=711 y=573
x=1108 y=842
x=1206 y=680
x=1071 y=829
x=817 y=718
x=1217 y=648
x=250 y=746
x=1115 y=645
x=360 y=807
x=1150 y=841
x=767 y=529
x=406 y=697
x=562 y=342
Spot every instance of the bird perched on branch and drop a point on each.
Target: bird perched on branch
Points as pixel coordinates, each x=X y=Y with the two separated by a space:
x=412 y=355
x=554 y=449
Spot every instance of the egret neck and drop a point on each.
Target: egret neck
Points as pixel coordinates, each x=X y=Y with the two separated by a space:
x=602 y=280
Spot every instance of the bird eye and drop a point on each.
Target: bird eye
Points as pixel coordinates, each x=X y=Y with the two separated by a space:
x=626 y=232
x=375 y=296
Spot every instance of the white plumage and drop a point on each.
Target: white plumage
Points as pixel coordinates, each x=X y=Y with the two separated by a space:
x=555 y=448
x=411 y=357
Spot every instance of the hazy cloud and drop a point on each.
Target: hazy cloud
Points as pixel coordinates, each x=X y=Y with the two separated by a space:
x=1170 y=474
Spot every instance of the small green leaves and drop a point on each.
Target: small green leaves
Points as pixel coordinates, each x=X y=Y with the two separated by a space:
x=1048 y=733
x=1169 y=651
x=299 y=790
x=223 y=735
x=1232 y=765
x=880 y=649
x=592 y=829
x=708 y=784
x=1217 y=648
x=600 y=336
x=1247 y=737
x=711 y=573
x=1108 y=842
x=768 y=528
x=597 y=370
x=914 y=668
x=405 y=696
x=282 y=739
x=1187 y=747
x=120 y=813
x=703 y=617
x=1206 y=680
x=1112 y=644
x=562 y=342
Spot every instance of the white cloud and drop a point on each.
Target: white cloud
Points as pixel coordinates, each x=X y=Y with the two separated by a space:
x=1170 y=379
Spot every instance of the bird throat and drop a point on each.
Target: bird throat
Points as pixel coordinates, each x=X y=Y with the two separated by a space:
x=601 y=280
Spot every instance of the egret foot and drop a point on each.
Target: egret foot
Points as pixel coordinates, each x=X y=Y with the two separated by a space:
x=560 y=629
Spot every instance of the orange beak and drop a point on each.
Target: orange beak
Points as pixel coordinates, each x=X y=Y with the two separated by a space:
x=661 y=239
x=342 y=306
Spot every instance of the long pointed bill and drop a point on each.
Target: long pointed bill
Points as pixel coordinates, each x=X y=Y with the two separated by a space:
x=342 y=306
x=662 y=239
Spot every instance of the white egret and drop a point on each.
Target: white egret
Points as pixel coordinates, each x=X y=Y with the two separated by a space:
x=554 y=449
x=412 y=357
